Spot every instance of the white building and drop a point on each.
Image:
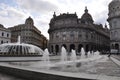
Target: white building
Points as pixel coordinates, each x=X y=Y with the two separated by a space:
x=5 y=35
x=114 y=22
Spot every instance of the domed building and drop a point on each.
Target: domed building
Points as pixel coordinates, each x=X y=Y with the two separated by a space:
x=29 y=34
x=114 y=22
x=74 y=33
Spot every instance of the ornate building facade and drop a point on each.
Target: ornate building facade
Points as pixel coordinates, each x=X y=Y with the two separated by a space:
x=29 y=34
x=114 y=22
x=5 y=35
x=74 y=33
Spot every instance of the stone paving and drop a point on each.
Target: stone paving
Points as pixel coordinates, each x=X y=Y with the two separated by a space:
x=116 y=56
x=104 y=66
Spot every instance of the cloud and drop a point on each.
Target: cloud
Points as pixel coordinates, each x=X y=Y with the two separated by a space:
x=10 y=16
x=42 y=23
x=40 y=6
x=101 y=19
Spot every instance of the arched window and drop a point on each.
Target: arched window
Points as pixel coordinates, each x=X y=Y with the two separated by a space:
x=116 y=46
x=57 y=49
x=52 y=48
x=2 y=42
x=87 y=48
x=64 y=45
x=72 y=46
x=112 y=46
x=79 y=47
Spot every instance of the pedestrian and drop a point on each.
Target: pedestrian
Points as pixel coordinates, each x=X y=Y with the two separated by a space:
x=109 y=54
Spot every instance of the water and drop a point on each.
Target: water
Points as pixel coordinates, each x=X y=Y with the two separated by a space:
x=45 y=57
x=88 y=53
x=73 y=56
x=63 y=63
x=63 y=54
x=19 y=48
x=83 y=55
x=97 y=53
x=19 y=40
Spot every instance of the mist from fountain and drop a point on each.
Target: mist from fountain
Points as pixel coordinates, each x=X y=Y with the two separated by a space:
x=97 y=53
x=73 y=56
x=18 y=40
x=46 y=57
x=89 y=53
x=63 y=54
x=83 y=55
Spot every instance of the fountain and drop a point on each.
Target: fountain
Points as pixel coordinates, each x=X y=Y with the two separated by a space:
x=63 y=54
x=97 y=53
x=45 y=57
x=18 y=40
x=19 y=49
x=83 y=54
x=88 y=53
x=60 y=64
x=73 y=56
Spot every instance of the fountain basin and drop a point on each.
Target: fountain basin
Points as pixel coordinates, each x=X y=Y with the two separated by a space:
x=17 y=49
x=33 y=74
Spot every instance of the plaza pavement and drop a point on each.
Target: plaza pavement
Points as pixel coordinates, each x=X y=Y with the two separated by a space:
x=116 y=59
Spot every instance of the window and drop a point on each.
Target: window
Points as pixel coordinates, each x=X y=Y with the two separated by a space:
x=2 y=42
x=86 y=36
x=72 y=34
x=2 y=34
x=57 y=35
x=79 y=35
x=116 y=34
x=7 y=35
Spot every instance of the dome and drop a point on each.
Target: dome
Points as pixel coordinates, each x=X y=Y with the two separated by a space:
x=114 y=9
x=1 y=26
x=86 y=17
x=29 y=21
x=114 y=3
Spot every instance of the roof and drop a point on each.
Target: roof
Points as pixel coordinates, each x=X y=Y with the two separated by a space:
x=86 y=17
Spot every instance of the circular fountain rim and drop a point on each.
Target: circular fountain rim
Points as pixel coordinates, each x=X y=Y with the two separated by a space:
x=19 y=49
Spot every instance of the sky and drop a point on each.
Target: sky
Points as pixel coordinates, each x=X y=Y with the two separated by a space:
x=15 y=12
